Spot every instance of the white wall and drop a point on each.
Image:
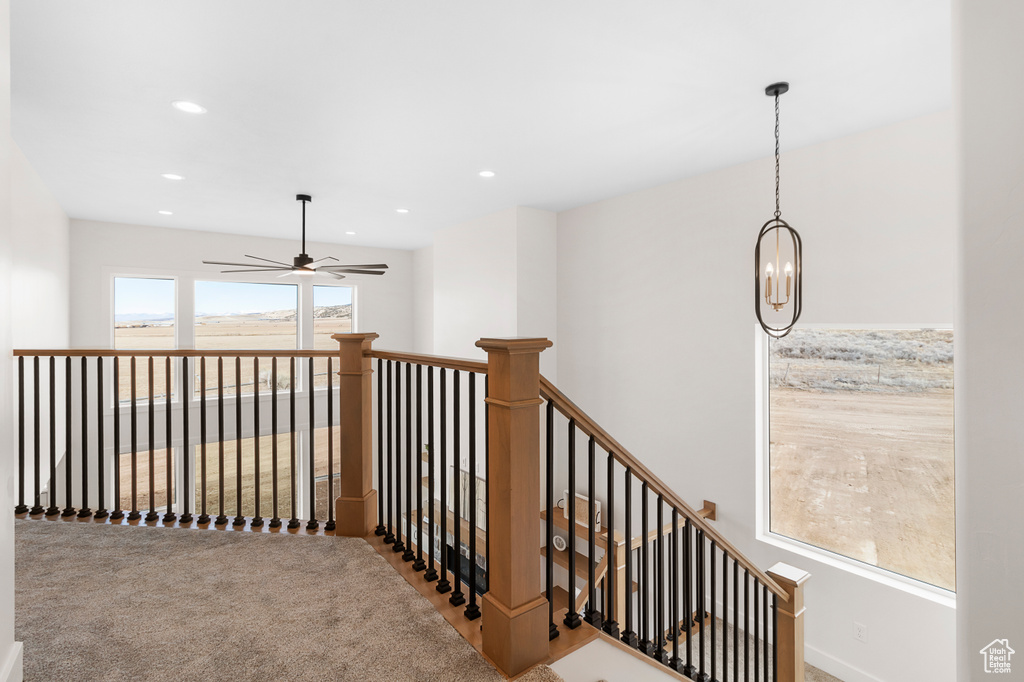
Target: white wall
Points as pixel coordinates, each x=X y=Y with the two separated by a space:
x=99 y=250
x=10 y=651
x=40 y=271
x=423 y=300
x=989 y=370
x=495 y=277
x=657 y=339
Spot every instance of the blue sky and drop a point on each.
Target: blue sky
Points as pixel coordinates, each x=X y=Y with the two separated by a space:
x=134 y=295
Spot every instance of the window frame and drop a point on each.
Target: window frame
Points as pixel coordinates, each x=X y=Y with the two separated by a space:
x=763 y=532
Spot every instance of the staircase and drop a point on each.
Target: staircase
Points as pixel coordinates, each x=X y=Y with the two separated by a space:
x=457 y=472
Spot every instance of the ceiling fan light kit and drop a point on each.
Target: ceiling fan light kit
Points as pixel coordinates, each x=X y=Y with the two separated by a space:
x=303 y=264
x=778 y=304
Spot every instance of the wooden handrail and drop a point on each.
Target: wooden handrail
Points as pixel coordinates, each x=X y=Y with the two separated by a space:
x=583 y=421
x=431 y=360
x=172 y=353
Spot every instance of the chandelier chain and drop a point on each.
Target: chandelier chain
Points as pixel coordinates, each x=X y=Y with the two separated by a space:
x=778 y=211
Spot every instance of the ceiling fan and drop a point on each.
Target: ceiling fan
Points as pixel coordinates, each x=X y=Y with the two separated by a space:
x=303 y=264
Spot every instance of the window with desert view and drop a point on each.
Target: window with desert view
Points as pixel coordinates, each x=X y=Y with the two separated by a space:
x=861 y=446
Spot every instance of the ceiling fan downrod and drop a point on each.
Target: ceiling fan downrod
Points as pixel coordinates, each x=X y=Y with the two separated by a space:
x=303 y=259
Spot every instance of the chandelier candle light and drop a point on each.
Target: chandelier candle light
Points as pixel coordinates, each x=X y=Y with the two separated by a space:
x=777 y=312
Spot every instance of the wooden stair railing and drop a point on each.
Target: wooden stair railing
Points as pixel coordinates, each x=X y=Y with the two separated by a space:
x=517 y=620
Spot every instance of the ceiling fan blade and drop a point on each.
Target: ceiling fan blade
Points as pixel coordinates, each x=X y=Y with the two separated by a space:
x=353 y=271
x=337 y=275
x=376 y=266
x=258 y=270
x=241 y=265
x=276 y=262
x=325 y=258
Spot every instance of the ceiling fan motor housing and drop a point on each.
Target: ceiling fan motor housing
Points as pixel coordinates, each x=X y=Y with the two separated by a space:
x=302 y=260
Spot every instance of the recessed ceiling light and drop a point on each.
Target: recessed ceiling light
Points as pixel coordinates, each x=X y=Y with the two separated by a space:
x=188 y=107
x=172 y=176
x=401 y=210
x=486 y=174
x=165 y=212
x=350 y=233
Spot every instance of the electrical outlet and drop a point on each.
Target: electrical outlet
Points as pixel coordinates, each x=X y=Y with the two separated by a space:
x=860 y=632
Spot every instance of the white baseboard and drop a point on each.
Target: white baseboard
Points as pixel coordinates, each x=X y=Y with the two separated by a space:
x=11 y=670
x=836 y=667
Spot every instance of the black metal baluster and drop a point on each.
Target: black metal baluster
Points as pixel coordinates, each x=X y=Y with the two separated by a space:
x=688 y=668
x=101 y=511
x=419 y=564
x=472 y=609
x=53 y=510
x=329 y=526
x=701 y=587
x=293 y=522
x=572 y=617
x=431 y=574
x=380 y=529
x=659 y=629
x=313 y=523
x=443 y=585
x=37 y=474
x=592 y=615
x=85 y=512
x=725 y=616
x=275 y=521
x=611 y=624
x=675 y=662
x=549 y=525
x=408 y=554
x=186 y=448
x=629 y=635
x=21 y=507
x=714 y=628
x=151 y=515
x=775 y=638
x=646 y=643
x=764 y=640
x=257 y=519
x=398 y=546
x=221 y=519
x=169 y=515
x=757 y=630
x=746 y=625
x=389 y=536
x=736 y=619
x=457 y=598
x=204 y=517
x=69 y=509
x=239 y=519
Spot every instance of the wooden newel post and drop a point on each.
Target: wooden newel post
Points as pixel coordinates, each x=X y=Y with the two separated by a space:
x=515 y=611
x=789 y=631
x=355 y=509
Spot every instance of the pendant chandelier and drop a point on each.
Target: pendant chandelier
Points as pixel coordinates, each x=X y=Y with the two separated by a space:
x=778 y=271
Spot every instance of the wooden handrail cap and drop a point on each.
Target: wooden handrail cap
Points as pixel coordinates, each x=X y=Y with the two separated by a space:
x=362 y=336
x=788 y=575
x=515 y=344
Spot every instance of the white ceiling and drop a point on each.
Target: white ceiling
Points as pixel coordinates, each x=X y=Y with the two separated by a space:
x=372 y=106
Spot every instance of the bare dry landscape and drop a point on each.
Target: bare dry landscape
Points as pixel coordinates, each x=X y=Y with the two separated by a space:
x=862 y=447
x=230 y=333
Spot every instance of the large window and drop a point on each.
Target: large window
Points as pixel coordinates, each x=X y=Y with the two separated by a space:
x=144 y=320
x=143 y=313
x=245 y=315
x=861 y=446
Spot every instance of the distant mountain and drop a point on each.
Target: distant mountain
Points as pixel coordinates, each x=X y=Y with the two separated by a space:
x=332 y=311
x=144 y=317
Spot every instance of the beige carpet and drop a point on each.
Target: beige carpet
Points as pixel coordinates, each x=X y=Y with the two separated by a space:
x=99 y=602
